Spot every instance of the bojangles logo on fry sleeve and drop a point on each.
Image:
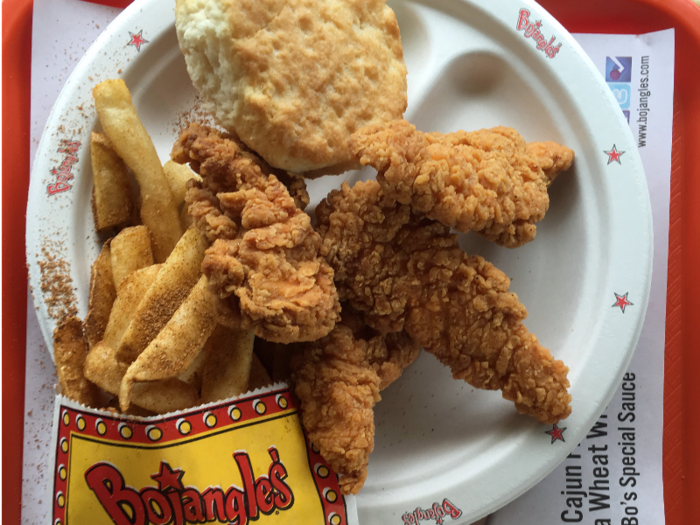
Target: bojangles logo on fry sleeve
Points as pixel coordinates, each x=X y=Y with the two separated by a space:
x=234 y=462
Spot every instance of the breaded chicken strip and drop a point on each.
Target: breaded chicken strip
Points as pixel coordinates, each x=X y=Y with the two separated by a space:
x=338 y=379
x=264 y=257
x=407 y=272
x=490 y=181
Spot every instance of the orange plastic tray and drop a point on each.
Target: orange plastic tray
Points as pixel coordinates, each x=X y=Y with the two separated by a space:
x=682 y=389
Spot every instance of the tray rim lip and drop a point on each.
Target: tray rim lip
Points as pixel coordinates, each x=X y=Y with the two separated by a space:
x=658 y=5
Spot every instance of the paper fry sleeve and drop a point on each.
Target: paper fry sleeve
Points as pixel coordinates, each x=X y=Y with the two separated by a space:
x=242 y=460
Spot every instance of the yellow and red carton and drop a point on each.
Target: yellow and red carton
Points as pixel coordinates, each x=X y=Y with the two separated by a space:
x=237 y=461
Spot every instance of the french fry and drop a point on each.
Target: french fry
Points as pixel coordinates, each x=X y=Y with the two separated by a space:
x=228 y=355
x=70 y=350
x=131 y=251
x=180 y=272
x=177 y=175
x=102 y=295
x=193 y=374
x=103 y=369
x=177 y=345
x=129 y=295
x=132 y=143
x=259 y=377
x=165 y=396
x=133 y=410
x=112 y=201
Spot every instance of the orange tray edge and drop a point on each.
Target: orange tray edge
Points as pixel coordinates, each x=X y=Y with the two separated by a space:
x=682 y=389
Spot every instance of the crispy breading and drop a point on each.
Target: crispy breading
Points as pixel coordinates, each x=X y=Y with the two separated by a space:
x=489 y=181
x=337 y=380
x=264 y=257
x=407 y=272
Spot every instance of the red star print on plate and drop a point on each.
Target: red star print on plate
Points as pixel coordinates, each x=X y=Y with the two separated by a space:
x=168 y=478
x=614 y=155
x=556 y=433
x=137 y=40
x=622 y=302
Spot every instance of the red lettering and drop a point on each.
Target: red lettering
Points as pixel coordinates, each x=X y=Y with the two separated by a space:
x=547 y=45
x=264 y=495
x=284 y=498
x=453 y=511
x=64 y=176
x=108 y=485
x=524 y=19
x=53 y=189
x=157 y=506
x=246 y=470
x=552 y=51
x=214 y=507
x=408 y=519
x=439 y=511
x=63 y=173
x=171 y=504
x=235 y=506
x=532 y=31
x=176 y=504
x=69 y=161
x=193 y=506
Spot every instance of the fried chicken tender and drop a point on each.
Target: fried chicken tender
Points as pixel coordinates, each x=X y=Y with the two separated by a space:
x=338 y=379
x=264 y=257
x=490 y=181
x=407 y=272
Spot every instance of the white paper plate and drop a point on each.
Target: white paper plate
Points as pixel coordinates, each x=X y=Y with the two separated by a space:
x=469 y=67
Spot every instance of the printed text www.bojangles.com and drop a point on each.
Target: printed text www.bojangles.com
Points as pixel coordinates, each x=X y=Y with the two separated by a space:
x=173 y=503
x=532 y=30
x=64 y=173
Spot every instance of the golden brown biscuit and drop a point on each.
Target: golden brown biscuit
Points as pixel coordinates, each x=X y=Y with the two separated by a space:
x=295 y=78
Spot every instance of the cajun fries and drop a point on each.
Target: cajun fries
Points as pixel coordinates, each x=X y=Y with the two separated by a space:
x=160 y=397
x=70 y=350
x=103 y=293
x=177 y=175
x=177 y=345
x=179 y=274
x=129 y=295
x=112 y=201
x=155 y=336
x=132 y=143
x=131 y=250
x=228 y=355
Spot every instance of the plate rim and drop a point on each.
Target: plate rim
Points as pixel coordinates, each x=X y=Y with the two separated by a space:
x=492 y=7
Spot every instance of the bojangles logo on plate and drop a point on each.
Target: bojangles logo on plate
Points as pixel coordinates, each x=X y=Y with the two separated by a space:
x=237 y=462
x=534 y=30
x=63 y=174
